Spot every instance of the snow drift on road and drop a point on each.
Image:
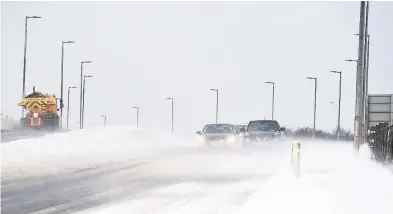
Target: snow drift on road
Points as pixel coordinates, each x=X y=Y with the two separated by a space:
x=83 y=149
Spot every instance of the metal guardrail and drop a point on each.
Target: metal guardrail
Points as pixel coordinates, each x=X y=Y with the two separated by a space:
x=381 y=142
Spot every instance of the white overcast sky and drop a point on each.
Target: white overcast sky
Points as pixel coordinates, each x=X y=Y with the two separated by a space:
x=143 y=52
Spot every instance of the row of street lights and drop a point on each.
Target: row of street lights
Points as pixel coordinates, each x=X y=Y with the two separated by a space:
x=82 y=102
x=82 y=94
x=315 y=102
x=82 y=84
x=172 y=110
x=217 y=99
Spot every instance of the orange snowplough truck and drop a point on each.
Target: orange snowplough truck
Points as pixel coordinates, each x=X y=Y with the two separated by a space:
x=41 y=111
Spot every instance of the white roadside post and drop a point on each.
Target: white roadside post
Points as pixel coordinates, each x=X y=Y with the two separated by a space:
x=296 y=158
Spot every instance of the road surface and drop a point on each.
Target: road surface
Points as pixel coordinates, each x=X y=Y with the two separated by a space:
x=9 y=136
x=202 y=174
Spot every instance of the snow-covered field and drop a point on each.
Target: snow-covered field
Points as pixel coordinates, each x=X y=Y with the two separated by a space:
x=174 y=178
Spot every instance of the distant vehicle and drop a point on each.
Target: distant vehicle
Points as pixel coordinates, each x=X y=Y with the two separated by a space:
x=218 y=135
x=262 y=131
x=240 y=126
x=41 y=111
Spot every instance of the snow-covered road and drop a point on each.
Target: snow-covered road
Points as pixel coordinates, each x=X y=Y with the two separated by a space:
x=123 y=170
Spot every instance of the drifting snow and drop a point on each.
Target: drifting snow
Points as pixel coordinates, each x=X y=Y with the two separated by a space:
x=83 y=149
x=332 y=181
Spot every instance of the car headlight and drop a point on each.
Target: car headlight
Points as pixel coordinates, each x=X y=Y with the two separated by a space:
x=231 y=139
x=201 y=139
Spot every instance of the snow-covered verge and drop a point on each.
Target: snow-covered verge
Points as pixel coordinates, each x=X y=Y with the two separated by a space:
x=83 y=149
x=349 y=185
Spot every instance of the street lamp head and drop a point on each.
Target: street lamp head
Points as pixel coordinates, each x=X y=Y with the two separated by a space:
x=338 y=72
x=356 y=34
x=68 y=42
x=270 y=82
x=88 y=76
x=103 y=115
x=33 y=17
x=311 y=78
x=135 y=107
x=212 y=89
x=72 y=87
x=351 y=60
x=169 y=98
x=86 y=62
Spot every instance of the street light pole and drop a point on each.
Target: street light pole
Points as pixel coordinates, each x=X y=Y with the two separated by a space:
x=81 y=95
x=273 y=84
x=24 y=58
x=315 y=102
x=83 y=100
x=137 y=115
x=171 y=98
x=104 y=119
x=61 y=81
x=68 y=104
x=339 y=105
x=216 y=90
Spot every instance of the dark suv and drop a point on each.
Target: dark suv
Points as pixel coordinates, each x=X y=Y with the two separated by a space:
x=262 y=131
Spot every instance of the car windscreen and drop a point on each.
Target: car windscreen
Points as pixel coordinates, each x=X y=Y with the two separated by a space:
x=263 y=126
x=218 y=128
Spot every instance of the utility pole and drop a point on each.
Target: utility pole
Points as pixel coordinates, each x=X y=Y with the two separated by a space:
x=273 y=84
x=68 y=104
x=83 y=101
x=366 y=84
x=61 y=82
x=104 y=119
x=137 y=115
x=339 y=106
x=365 y=77
x=171 y=98
x=359 y=106
x=315 y=103
x=81 y=95
x=24 y=59
x=216 y=90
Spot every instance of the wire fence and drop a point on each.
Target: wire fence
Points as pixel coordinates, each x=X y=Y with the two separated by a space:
x=381 y=142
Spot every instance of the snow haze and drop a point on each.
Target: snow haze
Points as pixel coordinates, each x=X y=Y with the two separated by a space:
x=143 y=52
